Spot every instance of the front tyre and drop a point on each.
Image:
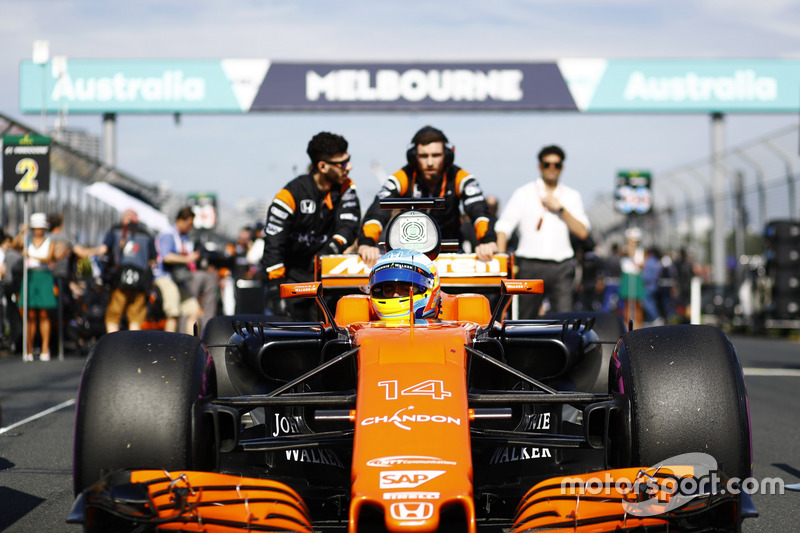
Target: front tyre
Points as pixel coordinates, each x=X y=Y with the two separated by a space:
x=140 y=405
x=687 y=394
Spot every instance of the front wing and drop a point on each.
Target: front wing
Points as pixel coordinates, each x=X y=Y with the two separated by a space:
x=630 y=499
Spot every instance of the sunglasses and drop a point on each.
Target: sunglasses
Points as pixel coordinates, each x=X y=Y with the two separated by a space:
x=548 y=164
x=342 y=164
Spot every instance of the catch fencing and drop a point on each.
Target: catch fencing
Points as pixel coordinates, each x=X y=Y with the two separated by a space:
x=761 y=184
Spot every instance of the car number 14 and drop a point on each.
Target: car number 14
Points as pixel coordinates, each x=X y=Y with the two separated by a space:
x=430 y=387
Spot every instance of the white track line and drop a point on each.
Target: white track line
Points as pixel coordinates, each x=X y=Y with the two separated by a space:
x=38 y=415
x=790 y=372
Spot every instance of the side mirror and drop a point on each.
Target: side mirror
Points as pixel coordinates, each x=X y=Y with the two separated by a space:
x=521 y=286
x=301 y=290
x=309 y=290
x=510 y=287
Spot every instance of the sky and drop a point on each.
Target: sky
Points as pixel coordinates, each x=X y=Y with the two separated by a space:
x=254 y=155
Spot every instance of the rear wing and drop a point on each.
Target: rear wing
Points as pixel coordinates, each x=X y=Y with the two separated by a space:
x=348 y=272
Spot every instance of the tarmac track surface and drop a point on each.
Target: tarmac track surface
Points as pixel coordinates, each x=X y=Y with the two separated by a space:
x=36 y=435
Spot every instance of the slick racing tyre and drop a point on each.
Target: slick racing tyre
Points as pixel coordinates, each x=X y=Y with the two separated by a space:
x=609 y=327
x=216 y=335
x=140 y=405
x=687 y=394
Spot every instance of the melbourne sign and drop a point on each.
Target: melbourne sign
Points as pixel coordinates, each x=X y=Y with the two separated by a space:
x=252 y=85
x=414 y=87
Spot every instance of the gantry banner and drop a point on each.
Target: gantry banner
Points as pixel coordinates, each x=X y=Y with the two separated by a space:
x=256 y=85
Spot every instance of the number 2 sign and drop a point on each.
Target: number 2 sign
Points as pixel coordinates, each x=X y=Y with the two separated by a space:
x=26 y=163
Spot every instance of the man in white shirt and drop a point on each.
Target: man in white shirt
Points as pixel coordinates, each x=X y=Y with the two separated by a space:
x=545 y=213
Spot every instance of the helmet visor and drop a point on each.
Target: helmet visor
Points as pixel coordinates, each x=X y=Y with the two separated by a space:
x=395 y=289
x=397 y=280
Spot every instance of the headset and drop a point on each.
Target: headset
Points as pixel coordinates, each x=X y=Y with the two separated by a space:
x=449 y=149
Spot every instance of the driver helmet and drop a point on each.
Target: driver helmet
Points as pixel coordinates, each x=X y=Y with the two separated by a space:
x=395 y=276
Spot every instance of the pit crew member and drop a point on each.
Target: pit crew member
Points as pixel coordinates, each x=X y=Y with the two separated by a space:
x=430 y=172
x=316 y=213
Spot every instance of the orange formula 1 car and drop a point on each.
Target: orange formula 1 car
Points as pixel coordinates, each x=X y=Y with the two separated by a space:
x=413 y=411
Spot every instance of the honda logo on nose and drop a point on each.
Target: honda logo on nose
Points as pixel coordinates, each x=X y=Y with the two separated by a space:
x=411 y=510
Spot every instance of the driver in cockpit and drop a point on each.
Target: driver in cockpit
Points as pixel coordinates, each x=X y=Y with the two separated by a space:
x=402 y=280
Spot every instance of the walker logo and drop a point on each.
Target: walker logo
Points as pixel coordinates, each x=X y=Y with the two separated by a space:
x=407 y=479
x=417 y=511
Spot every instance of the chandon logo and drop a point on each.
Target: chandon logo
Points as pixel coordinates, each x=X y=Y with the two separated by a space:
x=402 y=420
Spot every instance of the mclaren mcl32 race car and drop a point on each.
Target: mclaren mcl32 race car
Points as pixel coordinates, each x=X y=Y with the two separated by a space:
x=437 y=415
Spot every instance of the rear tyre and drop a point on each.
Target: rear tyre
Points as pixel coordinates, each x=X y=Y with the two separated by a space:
x=140 y=405
x=687 y=394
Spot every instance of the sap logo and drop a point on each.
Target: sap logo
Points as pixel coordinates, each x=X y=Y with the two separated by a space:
x=411 y=510
x=308 y=207
x=407 y=479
